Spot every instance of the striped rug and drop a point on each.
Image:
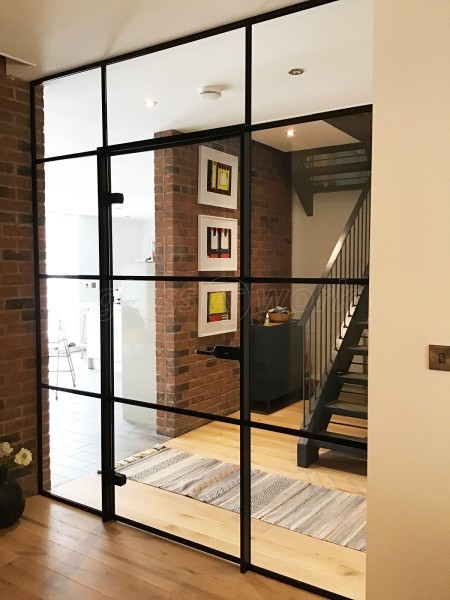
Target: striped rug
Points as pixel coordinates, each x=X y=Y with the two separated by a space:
x=323 y=513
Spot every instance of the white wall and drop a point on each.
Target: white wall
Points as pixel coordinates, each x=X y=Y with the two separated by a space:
x=409 y=457
x=313 y=238
x=131 y=241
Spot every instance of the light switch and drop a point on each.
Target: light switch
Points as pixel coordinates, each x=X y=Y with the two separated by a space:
x=440 y=358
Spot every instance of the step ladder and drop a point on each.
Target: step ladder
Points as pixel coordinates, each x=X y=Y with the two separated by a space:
x=59 y=349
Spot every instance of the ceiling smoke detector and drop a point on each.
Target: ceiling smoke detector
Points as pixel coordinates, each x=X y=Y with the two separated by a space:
x=210 y=92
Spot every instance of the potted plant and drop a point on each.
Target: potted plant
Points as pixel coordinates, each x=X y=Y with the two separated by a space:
x=12 y=500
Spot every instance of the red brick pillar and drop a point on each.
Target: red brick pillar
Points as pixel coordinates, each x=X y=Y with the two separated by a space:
x=183 y=378
x=18 y=339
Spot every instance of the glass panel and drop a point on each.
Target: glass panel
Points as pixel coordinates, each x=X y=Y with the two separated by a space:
x=276 y=359
x=318 y=513
x=73 y=423
x=333 y=55
x=180 y=214
x=70 y=313
x=71 y=218
x=158 y=93
x=72 y=114
x=293 y=353
x=158 y=326
x=317 y=176
x=194 y=489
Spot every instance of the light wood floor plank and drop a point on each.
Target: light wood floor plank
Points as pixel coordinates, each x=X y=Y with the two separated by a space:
x=115 y=561
x=318 y=563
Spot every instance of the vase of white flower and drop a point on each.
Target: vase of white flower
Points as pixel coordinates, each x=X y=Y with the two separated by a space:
x=12 y=501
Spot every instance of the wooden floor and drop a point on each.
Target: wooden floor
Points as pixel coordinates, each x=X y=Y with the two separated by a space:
x=57 y=552
x=322 y=564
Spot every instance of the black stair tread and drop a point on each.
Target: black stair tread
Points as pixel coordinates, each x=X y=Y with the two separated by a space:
x=342 y=436
x=354 y=378
x=366 y=323
x=348 y=409
x=330 y=443
x=361 y=350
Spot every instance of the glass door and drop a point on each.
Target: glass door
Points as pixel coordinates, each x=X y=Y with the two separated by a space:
x=172 y=394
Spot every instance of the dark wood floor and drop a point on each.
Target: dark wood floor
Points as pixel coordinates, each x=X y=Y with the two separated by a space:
x=57 y=552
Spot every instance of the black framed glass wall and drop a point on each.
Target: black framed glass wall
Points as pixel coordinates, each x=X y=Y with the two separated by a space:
x=213 y=233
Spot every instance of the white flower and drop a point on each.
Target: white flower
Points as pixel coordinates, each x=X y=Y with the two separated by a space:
x=5 y=449
x=24 y=457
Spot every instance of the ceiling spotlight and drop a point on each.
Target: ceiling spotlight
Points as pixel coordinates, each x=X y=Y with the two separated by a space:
x=290 y=133
x=210 y=92
x=149 y=103
x=296 y=71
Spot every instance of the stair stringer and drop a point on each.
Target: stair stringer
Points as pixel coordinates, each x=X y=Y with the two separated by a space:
x=330 y=386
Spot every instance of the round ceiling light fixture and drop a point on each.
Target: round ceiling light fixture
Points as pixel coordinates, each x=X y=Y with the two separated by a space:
x=210 y=92
x=296 y=71
x=149 y=103
x=290 y=133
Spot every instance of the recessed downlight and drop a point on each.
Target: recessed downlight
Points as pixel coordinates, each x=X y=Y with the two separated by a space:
x=150 y=103
x=290 y=133
x=296 y=71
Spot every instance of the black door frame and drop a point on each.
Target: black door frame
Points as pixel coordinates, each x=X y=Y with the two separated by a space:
x=106 y=279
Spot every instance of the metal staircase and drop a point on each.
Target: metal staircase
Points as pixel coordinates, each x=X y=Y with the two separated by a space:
x=335 y=325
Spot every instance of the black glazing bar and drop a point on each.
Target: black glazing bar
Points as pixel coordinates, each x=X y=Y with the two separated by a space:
x=176 y=538
x=245 y=305
x=190 y=278
x=281 y=12
x=195 y=137
x=106 y=336
x=298 y=584
x=320 y=116
x=104 y=84
x=75 y=391
x=47 y=276
x=79 y=505
x=49 y=159
x=37 y=291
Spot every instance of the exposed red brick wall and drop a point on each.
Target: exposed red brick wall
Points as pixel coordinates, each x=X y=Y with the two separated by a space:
x=17 y=326
x=271 y=239
x=184 y=379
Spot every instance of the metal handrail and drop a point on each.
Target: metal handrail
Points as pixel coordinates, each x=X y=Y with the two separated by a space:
x=335 y=254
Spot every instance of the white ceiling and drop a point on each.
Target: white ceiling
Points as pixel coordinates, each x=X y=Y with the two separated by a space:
x=333 y=43
x=56 y=35
x=315 y=134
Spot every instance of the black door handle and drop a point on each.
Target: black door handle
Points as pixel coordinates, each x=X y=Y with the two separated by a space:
x=223 y=352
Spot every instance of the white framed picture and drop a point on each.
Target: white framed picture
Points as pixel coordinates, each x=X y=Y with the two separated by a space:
x=217 y=308
x=217 y=243
x=217 y=178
